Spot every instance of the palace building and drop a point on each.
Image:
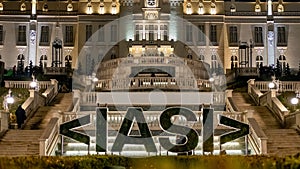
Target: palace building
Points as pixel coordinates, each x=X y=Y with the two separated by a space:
x=221 y=34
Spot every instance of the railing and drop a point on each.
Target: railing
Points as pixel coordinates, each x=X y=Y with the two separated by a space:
x=268 y=99
x=115 y=118
x=247 y=71
x=153 y=82
x=49 y=138
x=91 y=98
x=283 y=86
x=26 y=84
x=55 y=71
x=254 y=93
x=257 y=137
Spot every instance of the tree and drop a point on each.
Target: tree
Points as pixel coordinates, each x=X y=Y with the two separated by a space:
x=278 y=69
x=287 y=70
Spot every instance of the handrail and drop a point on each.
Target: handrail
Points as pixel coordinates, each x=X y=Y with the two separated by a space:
x=257 y=137
x=283 y=86
x=49 y=138
x=26 y=84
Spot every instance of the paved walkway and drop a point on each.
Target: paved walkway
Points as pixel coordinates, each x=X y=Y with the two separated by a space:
x=281 y=142
x=26 y=141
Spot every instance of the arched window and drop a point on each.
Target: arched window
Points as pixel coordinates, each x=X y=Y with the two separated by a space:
x=213 y=62
x=282 y=61
x=259 y=60
x=44 y=59
x=68 y=61
x=201 y=57
x=20 y=63
x=234 y=61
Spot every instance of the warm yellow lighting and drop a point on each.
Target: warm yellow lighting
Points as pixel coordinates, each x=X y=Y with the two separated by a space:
x=1 y=6
x=232 y=8
x=188 y=8
x=70 y=7
x=201 y=8
x=213 y=9
x=23 y=7
x=45 y=7
x=280 y=8
x=113 y=8
x=101 y=8
x=89 y=9
x=257 y=8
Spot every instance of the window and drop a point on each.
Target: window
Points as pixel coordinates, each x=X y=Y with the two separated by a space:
x=1 y=35
x=113 y=35
x=164 y=32
x=258 y=36
x=234 y=62
x=213 y=62
x=213 y=35
x=201 y=58
x=88 y=33
x=21 y=35
x=101 y=33
x=282 y=61
x=201 y=34
x=44 y=35
x=189 y=33
x=233 y=36
x=259 y=61
x=138 y=32
x=281 y=36
x=69 y=36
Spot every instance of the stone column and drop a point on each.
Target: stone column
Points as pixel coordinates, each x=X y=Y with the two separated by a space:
x=251 y=83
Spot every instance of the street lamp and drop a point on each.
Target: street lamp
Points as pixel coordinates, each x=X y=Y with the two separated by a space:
x=34 y=83
x=8 y=99
x=275 y=84
x=295 y=100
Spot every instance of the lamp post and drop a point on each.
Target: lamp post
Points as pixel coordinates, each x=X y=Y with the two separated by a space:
x=295 y=100
x=275 y=84
x=34 y=83
x=8 y=100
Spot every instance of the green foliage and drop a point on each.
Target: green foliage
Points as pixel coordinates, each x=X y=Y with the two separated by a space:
x=155 y=162
x=20 y=96
x=285 y=99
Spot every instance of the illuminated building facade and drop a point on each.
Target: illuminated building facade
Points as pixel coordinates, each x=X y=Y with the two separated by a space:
x=223 y=34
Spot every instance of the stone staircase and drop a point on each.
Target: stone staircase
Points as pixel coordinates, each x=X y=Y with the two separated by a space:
x=20 y=143
x=281 y=142
x=26 y=141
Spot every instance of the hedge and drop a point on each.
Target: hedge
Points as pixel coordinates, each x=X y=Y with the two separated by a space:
x=155 y=162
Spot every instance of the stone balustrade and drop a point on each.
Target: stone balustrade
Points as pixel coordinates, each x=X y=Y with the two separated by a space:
x=270 y=99
x=153 y=82
x=49 y=138
x=284 y=86
x=26 y=84
x=257 y=137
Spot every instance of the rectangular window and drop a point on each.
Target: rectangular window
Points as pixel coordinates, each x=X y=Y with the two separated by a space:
x=213 y=35
x=189 y=33
x=233 y=35
x=88 y=33
x=21 y=35
x=69 y=36
x=281 y=36
x=113 y=35
x=258 y=36
x=1 y=35
x=165 y=32
x=44 y=35
x=101 y=33
x=138 y=32
x=201 y=35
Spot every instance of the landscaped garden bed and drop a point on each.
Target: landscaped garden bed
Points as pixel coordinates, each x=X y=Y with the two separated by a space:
x=156 y=162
